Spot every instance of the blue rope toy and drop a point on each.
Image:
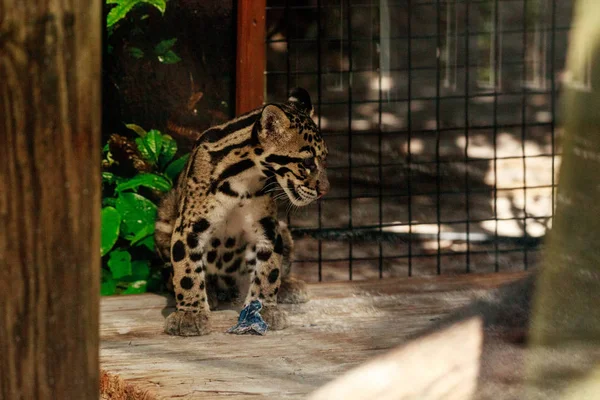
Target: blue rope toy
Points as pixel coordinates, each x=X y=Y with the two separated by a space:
x=250 y=321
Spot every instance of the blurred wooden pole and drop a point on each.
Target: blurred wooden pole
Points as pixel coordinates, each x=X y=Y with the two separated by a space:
x=49 y=198
x=250 y=65
x=567 y=303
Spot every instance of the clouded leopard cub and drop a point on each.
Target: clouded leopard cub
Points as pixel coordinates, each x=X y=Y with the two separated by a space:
x=219 y=226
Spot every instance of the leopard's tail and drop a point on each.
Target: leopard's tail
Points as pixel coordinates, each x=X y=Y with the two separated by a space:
x=163 y=230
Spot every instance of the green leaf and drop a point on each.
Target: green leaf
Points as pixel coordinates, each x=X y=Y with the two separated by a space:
x=169 y=148
x=137 y=212
x=111 y=220
x=124 y=6
x=140 y=269
x=110 y=178
x=137 y=129
x=164 y=46
x=136 y=287
x=173 y=170
x=150 y=145
x=148 y=180
x=136 y=52
x=148 y=241
x=142 y=234
x=107 y=288
x=119 y=263
x=170 y=57
x=143 y=149
x=154 y=141
x=161 y=5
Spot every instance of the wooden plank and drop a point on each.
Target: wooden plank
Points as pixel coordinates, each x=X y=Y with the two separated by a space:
x=250 y=66
x=342 y=326
x=409 y=373
x=49 y=198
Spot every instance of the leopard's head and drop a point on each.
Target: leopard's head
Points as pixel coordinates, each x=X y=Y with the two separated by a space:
x=295 y=153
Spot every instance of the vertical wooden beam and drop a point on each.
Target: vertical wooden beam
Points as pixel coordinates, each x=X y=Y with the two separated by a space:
x=566 y=312
x=49 y=198
x=250 y=65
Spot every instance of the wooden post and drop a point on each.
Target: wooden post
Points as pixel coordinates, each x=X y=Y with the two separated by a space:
x=250 y=65
x=566 y=314
x=49 y=198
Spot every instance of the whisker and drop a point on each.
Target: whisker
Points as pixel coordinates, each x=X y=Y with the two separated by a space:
x=270 y=185
x=280 y=196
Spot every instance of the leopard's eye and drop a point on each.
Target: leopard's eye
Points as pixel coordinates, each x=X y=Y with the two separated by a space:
x=309 y=163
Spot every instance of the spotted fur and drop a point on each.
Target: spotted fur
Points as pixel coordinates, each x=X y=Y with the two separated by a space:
x=218 y=228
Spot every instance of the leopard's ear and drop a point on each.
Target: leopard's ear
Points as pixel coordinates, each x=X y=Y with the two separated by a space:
x=301 y=99
x=274 y=125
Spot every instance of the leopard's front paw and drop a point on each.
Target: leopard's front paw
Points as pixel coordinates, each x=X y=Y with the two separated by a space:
x=275 y=317
x=187 y=323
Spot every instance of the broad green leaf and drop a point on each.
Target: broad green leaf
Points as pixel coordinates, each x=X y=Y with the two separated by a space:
x=136 y=287
x=111 y=220
x=142 y=234
x=148 y=180
x=137 y=212
x=173 y=170
x=170 y=57
x=107 y=288
x=140 y=269
x=161 y=5
x=169 y=148
x=124 y=6
x=137 y=129
x=136 y=52
x=164 y=46
x=110 y=178
x=148 y=241
x=144 y=150
x=150 y=145
x=154 y=141
x=119 y=263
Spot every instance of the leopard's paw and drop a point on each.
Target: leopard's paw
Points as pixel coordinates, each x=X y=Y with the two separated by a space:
x=187 y=323
x=292 y=291
x=275 y=317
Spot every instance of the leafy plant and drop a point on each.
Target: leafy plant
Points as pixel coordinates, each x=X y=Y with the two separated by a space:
x=164 y=52
x=130 y=206
x=136 y=172
x=120 y=9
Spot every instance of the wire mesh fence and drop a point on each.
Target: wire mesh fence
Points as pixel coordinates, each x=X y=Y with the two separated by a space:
x=441 y=119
